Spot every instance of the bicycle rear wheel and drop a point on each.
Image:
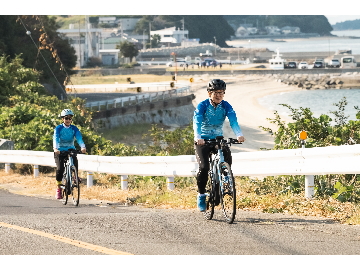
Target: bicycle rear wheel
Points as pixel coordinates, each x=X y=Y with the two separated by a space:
x=75 y=187
x=227 y=192
x=65 y=187
x=210 y=199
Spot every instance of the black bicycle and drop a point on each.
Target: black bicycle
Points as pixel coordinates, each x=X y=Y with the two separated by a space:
x=220 y=188
x=70 y=181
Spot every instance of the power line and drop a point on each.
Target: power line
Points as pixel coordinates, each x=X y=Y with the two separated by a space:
x=39 y=51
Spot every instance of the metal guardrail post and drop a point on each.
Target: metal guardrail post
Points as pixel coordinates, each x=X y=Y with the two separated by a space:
x=170 y=183
x=90 y=179
x=124 y=182
x=36 y=171
x=309 y=186
x=309 y=179
x=7 y=167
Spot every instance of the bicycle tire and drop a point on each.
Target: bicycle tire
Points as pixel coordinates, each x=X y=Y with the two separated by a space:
x=75 y=187
x=210 y=199
x=65 y=187
x=227 y=192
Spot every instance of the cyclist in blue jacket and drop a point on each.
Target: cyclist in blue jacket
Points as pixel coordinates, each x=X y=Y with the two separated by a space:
x=63 y=140
x=208 y=121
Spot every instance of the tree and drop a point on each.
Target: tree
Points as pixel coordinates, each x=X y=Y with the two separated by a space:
x=127 y=49
x=155 y=40
x=55 y=48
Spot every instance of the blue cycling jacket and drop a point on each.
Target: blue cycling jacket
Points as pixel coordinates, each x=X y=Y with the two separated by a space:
x=64 y=137
x=208 y=120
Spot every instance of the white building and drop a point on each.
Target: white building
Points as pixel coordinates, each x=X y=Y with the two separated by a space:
x=171 y=35
x=273 y=30
x=108 y=20
x=290 y=30
x=85 y=41
x=241 y=31
x=109 y=57
x=128 y=24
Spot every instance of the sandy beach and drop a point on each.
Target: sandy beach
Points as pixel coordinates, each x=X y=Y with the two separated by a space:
x=243 y=93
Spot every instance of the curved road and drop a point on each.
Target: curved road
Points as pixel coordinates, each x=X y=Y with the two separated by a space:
x=30 y=225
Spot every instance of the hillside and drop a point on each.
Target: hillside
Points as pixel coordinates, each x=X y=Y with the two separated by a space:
x=347 y=25
x=307 y=23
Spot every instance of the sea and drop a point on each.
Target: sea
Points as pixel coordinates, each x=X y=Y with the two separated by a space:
x=344 y=40
x=318 y=101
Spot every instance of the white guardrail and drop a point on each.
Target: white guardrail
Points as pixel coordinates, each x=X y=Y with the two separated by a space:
x=303 y=161
x=140 y=98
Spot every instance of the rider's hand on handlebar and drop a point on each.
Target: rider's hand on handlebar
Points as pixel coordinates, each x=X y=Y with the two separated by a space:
x=83 y=150
x=200 y=141
x=241 y=139
x=56 y=151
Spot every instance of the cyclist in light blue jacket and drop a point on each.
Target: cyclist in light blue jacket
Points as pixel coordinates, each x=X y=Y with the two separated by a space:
x=63 y=140
x=208 y=121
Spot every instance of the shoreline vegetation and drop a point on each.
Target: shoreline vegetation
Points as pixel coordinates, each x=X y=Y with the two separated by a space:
x=251 y=196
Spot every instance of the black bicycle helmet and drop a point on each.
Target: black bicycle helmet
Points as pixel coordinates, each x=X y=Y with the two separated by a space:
x=216 y=84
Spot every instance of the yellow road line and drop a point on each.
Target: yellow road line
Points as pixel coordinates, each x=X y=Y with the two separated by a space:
x=67 y=240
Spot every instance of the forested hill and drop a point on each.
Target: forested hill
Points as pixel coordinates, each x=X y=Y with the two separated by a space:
x=307 y=23
x=347 y=25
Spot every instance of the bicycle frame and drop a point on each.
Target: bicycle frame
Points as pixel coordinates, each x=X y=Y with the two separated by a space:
x=216 y=160
x=68 y=166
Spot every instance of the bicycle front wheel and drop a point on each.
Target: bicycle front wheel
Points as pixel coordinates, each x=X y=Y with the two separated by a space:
x=75 y=187
x=227 y=192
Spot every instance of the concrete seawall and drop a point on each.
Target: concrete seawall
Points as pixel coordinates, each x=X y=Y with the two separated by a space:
x=176 y=111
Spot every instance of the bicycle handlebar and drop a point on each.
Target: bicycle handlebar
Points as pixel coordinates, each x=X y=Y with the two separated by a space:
x=221 y=140
x=70 y=152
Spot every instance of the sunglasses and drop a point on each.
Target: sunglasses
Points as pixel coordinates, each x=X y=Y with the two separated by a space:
x=219 y=93
x=67 y=118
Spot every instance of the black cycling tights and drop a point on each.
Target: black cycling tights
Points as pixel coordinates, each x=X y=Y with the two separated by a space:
x=202 y=153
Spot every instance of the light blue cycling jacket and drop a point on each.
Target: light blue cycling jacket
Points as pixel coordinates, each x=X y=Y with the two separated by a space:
x=64 y=137
x=208 y=120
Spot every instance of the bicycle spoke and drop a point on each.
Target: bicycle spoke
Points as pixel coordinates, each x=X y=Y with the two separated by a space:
x=75 y=187
x=210 y=200
x=64 y=191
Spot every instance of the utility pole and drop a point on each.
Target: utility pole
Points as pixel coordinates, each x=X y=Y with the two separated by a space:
x=183 y=21
x=143 y=39
x=150 y=34
x=215 y=47
x=79 y=46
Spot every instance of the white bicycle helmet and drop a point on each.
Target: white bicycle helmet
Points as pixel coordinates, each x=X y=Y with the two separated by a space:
x=66 y=112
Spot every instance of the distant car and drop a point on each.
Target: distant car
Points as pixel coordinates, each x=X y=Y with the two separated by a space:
x=319 y=64
x=303 y=65
x=178 y=63
x=290 y=65
x=334 y=63
x=209 y=62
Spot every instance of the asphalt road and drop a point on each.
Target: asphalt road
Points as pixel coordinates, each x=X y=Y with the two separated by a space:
x=34 y=226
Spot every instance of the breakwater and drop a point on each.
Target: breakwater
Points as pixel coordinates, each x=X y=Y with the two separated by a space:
x=175 y=111
x=348 y=80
